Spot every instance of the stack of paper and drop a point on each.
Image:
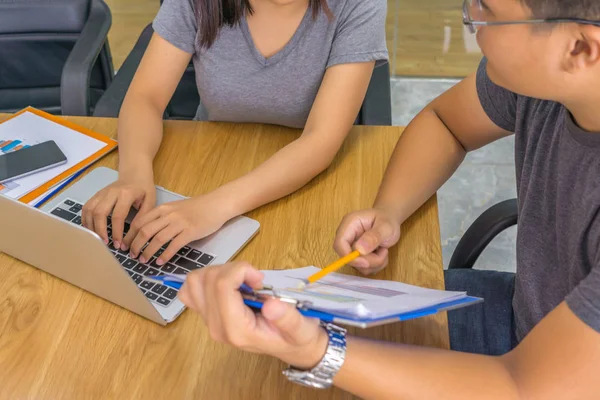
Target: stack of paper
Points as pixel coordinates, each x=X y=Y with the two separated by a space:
x=28 y=127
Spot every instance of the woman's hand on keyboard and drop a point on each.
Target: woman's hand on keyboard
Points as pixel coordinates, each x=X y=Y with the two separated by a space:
x=179 y=222
x=117 y=199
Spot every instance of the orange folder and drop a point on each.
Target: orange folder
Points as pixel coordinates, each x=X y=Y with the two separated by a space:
x=111 y=144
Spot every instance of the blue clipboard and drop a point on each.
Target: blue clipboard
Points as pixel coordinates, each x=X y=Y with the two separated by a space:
x=254 y=299
x=370 y=322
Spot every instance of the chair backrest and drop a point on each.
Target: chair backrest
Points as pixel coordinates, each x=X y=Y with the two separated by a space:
x=376 y=108
x=36 y=38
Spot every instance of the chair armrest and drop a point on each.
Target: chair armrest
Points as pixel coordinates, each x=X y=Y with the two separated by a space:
x=75 y=79
x=110 y=103
x=485 y=228
x=377 y=105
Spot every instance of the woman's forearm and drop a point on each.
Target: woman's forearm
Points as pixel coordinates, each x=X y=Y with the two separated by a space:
x=377 y=370
x=286 y=171
x=140 y=134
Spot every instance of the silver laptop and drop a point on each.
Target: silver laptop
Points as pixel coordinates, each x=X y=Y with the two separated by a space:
x=52 y=239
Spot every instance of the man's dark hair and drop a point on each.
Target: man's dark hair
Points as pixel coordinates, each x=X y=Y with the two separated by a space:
x=583 y=9
x=212 y=15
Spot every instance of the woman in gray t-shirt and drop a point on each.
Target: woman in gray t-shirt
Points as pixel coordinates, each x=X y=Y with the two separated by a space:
x=299 y=63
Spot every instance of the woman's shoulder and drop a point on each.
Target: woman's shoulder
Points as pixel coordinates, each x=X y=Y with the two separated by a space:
x=356 y=9
x=176 y=23
x=352 y=6
x=178 y=9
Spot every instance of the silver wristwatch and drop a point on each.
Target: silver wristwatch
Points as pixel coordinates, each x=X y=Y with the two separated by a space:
x=321 y=376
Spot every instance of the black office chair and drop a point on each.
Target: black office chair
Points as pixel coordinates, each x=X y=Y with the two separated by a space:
x=460 y=276
x=485 y=228
x=376 y=108
x=54 y=55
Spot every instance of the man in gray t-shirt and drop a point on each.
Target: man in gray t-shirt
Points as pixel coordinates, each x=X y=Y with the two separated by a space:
x=238 y=84
x=535 y=49
x=558 y=187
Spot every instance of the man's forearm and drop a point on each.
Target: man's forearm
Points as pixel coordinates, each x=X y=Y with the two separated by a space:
x=425 y=157
x=140 y=134
x=378 y=370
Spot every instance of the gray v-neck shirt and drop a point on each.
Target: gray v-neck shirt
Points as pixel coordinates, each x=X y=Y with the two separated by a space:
x=237 y=84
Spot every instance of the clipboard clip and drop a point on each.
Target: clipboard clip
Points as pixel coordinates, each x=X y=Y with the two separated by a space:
x=269 y=291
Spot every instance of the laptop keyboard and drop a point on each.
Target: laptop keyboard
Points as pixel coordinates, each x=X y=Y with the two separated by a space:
x=186 y=259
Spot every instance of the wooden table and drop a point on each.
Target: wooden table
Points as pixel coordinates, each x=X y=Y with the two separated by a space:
x=59 y=342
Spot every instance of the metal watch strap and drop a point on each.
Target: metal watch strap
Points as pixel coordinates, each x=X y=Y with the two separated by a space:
x=321 y=376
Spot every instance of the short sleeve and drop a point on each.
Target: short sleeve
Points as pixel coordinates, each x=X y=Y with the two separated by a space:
x=584 y=300
x=498 y=103
x=176 y=23
x=360 y=33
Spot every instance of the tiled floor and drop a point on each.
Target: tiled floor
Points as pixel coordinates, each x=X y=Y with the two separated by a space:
x=486 y=177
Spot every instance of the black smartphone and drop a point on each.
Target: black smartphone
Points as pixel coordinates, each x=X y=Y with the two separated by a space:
x=29 y=160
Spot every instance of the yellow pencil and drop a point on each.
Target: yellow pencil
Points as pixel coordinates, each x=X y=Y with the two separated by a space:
x=333 y=267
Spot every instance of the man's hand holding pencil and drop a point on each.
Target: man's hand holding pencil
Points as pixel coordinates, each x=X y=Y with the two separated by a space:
x=371 y=232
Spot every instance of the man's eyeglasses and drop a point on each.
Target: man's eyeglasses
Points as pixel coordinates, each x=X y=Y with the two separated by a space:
x=476 y=13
